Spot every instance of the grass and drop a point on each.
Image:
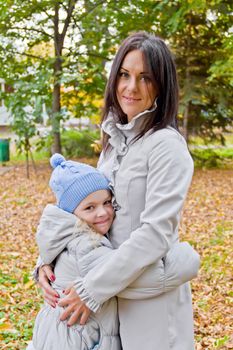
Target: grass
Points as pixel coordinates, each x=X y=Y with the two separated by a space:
x=37 y=156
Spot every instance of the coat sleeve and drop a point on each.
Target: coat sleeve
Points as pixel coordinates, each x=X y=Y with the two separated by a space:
x=35 y=272
x=170 y=171
x=180 y=265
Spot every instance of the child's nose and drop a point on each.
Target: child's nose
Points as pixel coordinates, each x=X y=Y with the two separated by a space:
x=101 y=211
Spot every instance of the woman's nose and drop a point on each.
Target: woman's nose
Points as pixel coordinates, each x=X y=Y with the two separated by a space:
x=132 y=84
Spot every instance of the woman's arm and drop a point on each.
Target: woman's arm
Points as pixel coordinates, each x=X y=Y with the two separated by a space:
x=180 y=265
x=169 y=175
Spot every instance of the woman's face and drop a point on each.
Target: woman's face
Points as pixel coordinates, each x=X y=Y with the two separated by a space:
x=135 y=91
x=97 y=211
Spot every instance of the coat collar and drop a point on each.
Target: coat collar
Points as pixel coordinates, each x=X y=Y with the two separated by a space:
x=56 y=229
x=120 y=132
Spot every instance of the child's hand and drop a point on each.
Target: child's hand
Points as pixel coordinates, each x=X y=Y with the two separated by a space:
x=46 y=275
x=74 y=307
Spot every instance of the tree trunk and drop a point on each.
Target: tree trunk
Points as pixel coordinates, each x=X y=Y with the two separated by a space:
x=58 y=47
x=57 y=68
x=56 y=107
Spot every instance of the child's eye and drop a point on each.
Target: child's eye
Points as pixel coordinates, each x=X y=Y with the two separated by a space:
x=109 y=202
x=91 y=207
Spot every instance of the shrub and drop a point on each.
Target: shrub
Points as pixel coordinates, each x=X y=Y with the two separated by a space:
x=75 y=143
x=212 y=158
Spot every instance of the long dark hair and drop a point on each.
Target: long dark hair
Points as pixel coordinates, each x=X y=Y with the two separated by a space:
x=161 y=67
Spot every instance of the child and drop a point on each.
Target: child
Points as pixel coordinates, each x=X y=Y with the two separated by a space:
x=71 y=234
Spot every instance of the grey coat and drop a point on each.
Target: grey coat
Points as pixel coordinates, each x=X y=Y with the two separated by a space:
x=77 y=250
x=151 y=178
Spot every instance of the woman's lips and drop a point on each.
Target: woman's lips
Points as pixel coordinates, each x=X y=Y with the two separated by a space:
x=131 y=99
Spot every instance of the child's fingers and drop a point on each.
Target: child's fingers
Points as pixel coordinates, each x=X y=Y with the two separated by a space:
x=66 y=313
x=85 y=316
x=71 y=297
x=66 y=302
x=81 y=313
x=76 y=315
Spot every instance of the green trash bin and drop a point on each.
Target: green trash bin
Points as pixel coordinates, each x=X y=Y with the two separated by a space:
x=4 y=150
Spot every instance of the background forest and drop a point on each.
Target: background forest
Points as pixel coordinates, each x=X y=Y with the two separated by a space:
x=57 y=54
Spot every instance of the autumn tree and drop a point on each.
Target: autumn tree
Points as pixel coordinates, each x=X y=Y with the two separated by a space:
x=84 y=35
x=200 y=35
x=25 y=24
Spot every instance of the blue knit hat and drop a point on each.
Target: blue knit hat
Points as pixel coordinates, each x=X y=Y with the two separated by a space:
x=71 y=182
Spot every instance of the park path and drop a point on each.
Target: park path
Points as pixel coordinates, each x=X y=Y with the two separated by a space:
x=5 y=169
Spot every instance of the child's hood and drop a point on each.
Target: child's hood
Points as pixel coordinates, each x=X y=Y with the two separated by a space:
x=56 y=229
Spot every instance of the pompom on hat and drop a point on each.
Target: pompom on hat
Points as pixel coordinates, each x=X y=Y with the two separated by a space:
x=72 y=182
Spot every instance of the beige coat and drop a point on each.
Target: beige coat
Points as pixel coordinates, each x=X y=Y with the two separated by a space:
x=151 y=178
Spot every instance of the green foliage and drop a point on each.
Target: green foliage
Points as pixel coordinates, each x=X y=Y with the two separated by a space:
x=199 y=33
x=212 y=158
x=220 y=342
x=25 y=106
x=75 y=144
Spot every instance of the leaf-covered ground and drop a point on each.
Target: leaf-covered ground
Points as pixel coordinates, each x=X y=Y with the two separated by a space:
x=207 y=224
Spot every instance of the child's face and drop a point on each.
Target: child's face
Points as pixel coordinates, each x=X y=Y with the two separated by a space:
x=97 y=211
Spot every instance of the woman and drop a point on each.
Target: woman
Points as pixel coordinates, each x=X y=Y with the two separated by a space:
x=150 y=168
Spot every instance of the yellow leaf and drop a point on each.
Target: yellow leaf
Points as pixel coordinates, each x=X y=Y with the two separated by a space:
x=5 y=326
x=29 y=284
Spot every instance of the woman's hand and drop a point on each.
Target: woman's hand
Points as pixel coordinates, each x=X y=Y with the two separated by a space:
x=75 y=308
x=45 y=275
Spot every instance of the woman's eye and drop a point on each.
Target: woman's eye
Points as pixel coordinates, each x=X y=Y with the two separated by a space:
x=123 y=75
x=145 y=78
